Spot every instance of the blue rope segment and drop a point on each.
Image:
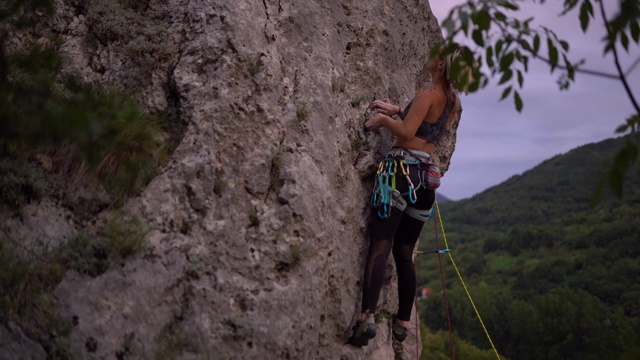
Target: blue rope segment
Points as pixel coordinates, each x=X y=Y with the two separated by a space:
x=440 y=251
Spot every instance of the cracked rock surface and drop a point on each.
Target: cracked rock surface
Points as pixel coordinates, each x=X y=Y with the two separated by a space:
x=258 y=223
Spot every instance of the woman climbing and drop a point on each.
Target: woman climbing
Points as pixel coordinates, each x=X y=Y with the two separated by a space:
x=403 y=194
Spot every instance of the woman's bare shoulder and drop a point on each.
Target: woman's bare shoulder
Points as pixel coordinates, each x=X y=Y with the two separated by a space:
x=428 y=89
x=426 y=86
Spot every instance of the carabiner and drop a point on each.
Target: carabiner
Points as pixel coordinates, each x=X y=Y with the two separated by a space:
x=413 y=197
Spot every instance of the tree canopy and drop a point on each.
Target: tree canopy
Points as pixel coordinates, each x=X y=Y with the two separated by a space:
x=551 y=277
x=505 y=44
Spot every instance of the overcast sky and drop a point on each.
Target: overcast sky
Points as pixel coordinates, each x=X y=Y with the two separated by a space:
x=496 y=142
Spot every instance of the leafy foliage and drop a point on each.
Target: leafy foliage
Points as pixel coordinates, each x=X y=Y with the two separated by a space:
x=127 y=237
x=436 y=346
x=54 y=125
x=506 y=45
x=20 y=182
x=552 y=277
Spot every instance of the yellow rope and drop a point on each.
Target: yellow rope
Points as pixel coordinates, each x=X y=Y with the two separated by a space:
x=446 y=245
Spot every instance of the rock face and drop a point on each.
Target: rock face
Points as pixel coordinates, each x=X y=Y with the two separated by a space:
x=258 y=223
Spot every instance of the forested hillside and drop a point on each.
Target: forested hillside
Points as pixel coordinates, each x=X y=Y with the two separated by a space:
x=551 y=276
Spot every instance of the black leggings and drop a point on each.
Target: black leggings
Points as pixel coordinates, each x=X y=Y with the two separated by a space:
x=399 y=232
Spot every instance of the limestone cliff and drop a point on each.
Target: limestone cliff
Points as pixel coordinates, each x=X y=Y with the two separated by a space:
x=258 y=223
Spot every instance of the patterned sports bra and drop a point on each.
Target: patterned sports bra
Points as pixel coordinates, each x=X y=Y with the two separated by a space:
x=434 y=132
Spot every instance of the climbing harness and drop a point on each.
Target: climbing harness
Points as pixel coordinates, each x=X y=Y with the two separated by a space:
x=447 y=251
x=399 y=162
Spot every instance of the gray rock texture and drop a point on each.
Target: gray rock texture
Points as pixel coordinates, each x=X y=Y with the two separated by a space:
x=14 y=345
x=258 y=223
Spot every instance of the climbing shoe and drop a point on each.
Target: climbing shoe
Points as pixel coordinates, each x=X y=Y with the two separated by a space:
x=399 y=332
x=363 y=330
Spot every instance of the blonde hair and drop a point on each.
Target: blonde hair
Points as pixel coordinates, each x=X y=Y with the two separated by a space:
x=463 y=72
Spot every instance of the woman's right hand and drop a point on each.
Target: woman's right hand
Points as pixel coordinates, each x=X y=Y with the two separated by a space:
x=385 y=107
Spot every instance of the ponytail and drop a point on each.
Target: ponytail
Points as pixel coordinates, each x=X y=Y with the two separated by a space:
x=456 y=64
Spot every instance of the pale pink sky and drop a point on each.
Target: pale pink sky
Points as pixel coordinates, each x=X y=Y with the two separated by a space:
x=496 y=142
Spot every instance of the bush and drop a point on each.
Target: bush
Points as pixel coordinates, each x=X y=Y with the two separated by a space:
x=103 y=131
x=126 y=237
x=20 y=182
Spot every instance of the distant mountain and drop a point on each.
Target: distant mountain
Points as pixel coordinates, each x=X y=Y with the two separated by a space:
x=558 y=186
x=441 y=198
x=552 y=277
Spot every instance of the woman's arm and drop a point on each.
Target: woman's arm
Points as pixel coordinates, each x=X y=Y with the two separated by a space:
x=405 y=130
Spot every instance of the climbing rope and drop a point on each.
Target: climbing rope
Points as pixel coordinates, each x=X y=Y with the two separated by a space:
x=440 y=252
x=463 y=285
x=444 y=288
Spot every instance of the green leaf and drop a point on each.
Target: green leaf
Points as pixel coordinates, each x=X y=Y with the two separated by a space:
x=536 y=43
x=506 y=61
x=632 y=125
x=506 y=76
x=506 y=93
x=449 y=25
x=477 y=37
x=499 y=16
x=520 y=78
x=622 y=128
x=489 y=56
x=518 y=101
x=482 y=20
x=571 y=70
x=553 y=54
x=518 y=55
x=608 y=48
x=585 y=10
x=525 y=44
x=568 y=5
x=565 y=45
x=508 y=5
x=624 y=40
x=635 y=30
x=499 y=45
x=464 y=22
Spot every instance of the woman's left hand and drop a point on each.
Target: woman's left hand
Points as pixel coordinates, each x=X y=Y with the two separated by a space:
x=385 y=107
x=376 y=121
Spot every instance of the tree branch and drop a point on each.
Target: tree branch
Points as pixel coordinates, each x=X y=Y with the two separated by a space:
x=630 y=69
x=506 y=34
x=617 y=61
x=580 y=70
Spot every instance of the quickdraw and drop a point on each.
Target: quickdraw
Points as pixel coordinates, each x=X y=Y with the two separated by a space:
x=413 y=197
x=385 y=185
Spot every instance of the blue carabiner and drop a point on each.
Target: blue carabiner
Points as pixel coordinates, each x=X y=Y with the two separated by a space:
x=413 y=197
x=412 y=193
